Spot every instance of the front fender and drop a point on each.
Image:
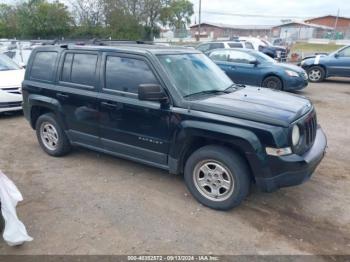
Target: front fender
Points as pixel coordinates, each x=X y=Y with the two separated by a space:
x=244 y=140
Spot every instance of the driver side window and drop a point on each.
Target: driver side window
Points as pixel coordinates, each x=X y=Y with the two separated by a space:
x=221 y=55
x=240 y=57
x=345 y=52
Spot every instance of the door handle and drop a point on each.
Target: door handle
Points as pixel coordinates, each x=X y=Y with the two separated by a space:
x=109 y=105
x=232 y=67
x=63 y=96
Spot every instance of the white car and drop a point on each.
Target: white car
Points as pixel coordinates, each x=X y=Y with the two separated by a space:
x=11 y=77
x=20 y=56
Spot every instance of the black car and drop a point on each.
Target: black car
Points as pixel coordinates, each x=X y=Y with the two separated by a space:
x=323 y=66
x=175 y=109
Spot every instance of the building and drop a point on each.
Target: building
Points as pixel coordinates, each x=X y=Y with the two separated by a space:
x=300 y=31
x=216 y=30
x=342 y=24
x=330 y=20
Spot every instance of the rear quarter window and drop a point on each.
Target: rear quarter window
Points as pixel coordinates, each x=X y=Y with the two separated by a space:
x=43 y=66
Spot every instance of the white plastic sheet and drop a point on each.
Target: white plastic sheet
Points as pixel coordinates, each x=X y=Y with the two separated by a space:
x=15 y=232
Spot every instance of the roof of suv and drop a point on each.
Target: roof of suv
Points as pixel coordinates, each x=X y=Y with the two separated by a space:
x=135 y=48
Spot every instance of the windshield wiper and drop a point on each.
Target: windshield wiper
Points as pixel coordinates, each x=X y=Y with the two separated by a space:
x=234 y=86
x=205 y=92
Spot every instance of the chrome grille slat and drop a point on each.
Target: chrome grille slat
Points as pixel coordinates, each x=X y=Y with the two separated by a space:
x=310 y=129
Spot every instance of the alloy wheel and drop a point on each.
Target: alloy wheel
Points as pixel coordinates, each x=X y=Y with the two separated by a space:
x=213 y=180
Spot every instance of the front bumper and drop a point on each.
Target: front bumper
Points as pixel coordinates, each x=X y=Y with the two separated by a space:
x=10 y=101
x=296 y=83
x=293 y=169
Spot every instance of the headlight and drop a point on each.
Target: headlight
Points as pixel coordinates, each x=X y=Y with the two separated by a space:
x=295 y=135
x=292 y=73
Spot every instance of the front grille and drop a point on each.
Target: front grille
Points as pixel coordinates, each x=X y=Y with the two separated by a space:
x=310 y=129
x=13 y=90
x=10 y=104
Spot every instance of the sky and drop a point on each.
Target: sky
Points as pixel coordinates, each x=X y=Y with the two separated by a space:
x=270 y=12
x=262 y=12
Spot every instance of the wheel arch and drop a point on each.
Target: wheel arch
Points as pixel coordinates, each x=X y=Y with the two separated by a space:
x=275 y=75
x=189 y=139
x=319 y=65
x=40 y=105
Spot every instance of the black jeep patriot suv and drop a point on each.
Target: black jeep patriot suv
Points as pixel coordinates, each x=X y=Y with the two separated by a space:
x=172 y=108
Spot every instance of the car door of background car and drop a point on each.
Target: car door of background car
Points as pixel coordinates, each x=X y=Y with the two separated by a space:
x=339 y=65
x=238 y=66
x=77 y=91
x=128 y=126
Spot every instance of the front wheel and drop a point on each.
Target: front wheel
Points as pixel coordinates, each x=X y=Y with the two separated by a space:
x=273 y=82
x=316 y=74
x=217 y=177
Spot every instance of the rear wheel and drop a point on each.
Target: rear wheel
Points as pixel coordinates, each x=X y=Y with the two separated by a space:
x=51 y=136
x=217 y=177
x=273 y=82
x=316 y=74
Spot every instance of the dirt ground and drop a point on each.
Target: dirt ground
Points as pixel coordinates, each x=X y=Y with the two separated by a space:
x=90 y=203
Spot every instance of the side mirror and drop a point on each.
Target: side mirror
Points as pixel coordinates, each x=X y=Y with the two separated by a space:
x=151 y=92
x=21 y=64
x=254 y=62
x=336 y=55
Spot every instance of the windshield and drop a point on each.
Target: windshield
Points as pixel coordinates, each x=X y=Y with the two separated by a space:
x=264 y=58
x=7 y=64
x=194 y=73
x=267 y=43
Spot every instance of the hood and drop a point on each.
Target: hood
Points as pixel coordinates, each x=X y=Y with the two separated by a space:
x=257 y=104
x=291 y=67
x=11 y=78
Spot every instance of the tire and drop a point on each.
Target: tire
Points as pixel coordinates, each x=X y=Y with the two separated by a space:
x=273 y=82
x=316 y=74
x=2 y=222
x=51 y=136
x=206 y=188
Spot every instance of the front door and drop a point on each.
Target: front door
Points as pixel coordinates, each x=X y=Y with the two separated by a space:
x=129 y=127
x=339 y=64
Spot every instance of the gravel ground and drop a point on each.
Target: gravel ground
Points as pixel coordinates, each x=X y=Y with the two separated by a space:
x=90 y=203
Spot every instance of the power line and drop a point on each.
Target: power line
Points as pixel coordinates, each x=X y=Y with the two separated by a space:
x=253 y=15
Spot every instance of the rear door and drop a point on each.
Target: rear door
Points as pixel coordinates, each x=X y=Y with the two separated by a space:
x=130 y=127
x=76 y=91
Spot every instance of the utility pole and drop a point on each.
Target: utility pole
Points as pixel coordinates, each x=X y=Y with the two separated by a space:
x=199 y=20
x=335 y=26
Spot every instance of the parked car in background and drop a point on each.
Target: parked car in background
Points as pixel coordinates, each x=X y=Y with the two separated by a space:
x=321 y=67
x=20 y=56
x=250 y=67
x=279 y=53
x=172 y=108
x=11 y=77
x=207 y=47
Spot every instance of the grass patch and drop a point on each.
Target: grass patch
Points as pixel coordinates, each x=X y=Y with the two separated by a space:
x=314 y=48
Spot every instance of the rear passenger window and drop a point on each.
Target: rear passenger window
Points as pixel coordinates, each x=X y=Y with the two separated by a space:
x=216 y=46
x=43 y=66
x=79 y=69
x=126 y=74
x=235 y=45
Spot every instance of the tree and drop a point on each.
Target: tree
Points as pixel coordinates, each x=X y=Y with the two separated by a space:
x=8 y=25
x=177 y=14
x=41 y=19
